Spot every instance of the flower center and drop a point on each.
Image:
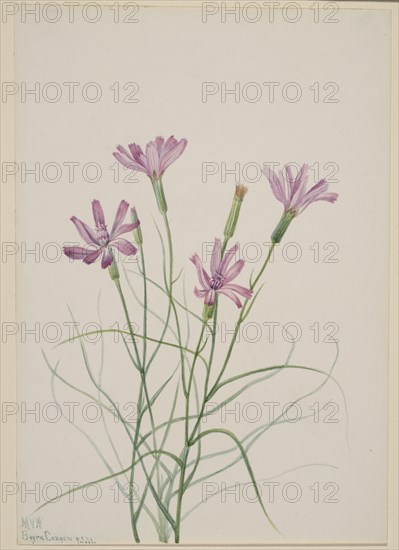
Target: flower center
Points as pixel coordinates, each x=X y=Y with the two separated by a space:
x=102 y=234
x=217 y=282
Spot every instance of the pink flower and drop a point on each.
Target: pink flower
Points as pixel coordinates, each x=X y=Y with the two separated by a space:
x=221 y=276
x=100 y=240
x=292 y=191
x=159 y=154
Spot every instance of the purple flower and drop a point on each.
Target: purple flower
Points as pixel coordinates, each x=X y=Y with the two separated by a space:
x=222 y=273
x=100 y=240
x=159 y=154
x=292 y=191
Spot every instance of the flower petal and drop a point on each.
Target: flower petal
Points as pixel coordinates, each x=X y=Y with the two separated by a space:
x=210 y=297
x=234 y=271
x=120 y=216
x=124 y=246
x=314 y=193
x=203 y=276
x=136 y=152
x=125 y=228
x=107 y=258
x=329 y=197
x=288 y=174
x=139 y=157
x=124 y=152
x=299 y=187
x=87 y=234
x=98 y=213
x=76 y=252
x=216 y=257
x=227 y=258
x=152 y=156
x=301 y=176
x=169 y=156
x=93 y=256
x=277 y=185
x=230 y=294
x=169 y=144
x=159 y=141
x=199 y=293
x=320 y=187
x=244 y=292
x=128 y=163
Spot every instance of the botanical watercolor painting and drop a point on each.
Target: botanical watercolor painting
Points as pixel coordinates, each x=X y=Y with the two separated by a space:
x=170 y=472
x=202 y=277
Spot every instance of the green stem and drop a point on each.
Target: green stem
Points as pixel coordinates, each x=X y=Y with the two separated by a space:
x=166 y=323
x=114 y=405
x=132 y=471
x=145 y=306
x=182 y=484
x=208 y=373
x=186 y=439
x=224 y=246
x=117 y=331
x=143 y=389
x=139 y=416
x=169 y=288
x=145 y=323
x=190 y=381
x=190 y=441
x=202 y=410
x=129 y=323
x=240 y=319
x=269 y=255
x=185 y=452
x=170 y=295
x=180 y=494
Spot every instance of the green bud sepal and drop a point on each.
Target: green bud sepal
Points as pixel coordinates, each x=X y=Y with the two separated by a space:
x=282 y=226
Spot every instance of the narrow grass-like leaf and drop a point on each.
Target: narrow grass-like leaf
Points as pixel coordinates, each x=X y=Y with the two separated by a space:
x=255 y=434
x=100 y=379
x=231 y=487
x=247 y=463
x=124 y=332
x=160 y=390
x=106 y=478
x=251 y=303
x=80 y=430
x=182 y=306
x=113 y=404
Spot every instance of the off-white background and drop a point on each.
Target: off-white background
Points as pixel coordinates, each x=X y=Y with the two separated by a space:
x=170 y=53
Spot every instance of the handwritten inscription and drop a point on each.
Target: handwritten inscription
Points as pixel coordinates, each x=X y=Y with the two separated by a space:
x=32 y=532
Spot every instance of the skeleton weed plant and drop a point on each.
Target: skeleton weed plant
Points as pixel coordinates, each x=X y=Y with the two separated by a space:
x=168 y=472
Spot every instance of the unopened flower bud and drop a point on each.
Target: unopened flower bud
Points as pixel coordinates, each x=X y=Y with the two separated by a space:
x=232 y=220
x=137 y=234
